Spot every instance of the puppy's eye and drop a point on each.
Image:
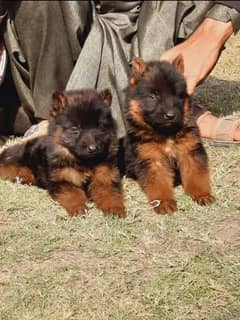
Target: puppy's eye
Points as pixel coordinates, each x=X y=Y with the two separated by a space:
x=75 y=130
x=152 y=96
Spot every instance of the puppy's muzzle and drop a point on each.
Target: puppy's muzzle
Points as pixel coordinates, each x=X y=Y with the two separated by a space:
x=169 y=115
x=91 y=148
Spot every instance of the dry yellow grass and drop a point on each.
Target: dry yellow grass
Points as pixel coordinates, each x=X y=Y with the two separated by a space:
x=183 y=267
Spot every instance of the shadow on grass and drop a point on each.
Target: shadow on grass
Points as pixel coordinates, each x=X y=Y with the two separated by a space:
x=222 y=97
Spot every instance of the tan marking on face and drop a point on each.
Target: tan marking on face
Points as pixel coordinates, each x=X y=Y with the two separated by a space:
x=136 y=113
x=60 y=149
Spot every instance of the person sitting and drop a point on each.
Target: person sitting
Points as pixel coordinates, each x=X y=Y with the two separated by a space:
x=54 y=45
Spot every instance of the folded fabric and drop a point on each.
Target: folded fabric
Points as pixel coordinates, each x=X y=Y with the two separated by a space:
x=3 y=62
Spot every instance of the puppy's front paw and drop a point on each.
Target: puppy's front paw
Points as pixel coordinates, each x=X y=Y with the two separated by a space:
x=204 y=200
x=116 y=210
x=75 y=210
x=166 y=207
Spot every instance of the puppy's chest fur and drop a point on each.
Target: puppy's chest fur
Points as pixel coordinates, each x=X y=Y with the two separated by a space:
x=163 y=153
x=159 y=151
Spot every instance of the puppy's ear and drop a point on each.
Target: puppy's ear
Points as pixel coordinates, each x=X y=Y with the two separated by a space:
x=178 y=63
x=138 y=69
x=106 y=96
x=59 y=102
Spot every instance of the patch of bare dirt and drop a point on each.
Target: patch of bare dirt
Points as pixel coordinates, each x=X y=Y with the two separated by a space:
x=228 y=231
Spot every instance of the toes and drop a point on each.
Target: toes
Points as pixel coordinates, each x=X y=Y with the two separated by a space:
x=75 y=211
x=166 y=207
x=114 y=211
x=204 y=200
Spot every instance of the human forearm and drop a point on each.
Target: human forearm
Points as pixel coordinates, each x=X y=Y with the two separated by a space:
x=214 y=31
x=201 y=50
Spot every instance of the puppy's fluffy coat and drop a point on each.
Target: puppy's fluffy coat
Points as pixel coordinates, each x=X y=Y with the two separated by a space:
x=163 y=143
x=77 y=159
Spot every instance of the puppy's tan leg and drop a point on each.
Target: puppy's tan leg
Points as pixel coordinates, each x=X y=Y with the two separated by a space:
x=157 y=183
x=195 y=177
x=13 y=171
x=72 y=198
x=106 y=191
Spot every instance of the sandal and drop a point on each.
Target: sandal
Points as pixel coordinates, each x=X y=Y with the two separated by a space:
x=222 y=134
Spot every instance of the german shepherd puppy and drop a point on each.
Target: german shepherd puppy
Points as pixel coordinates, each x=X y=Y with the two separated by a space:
x=77 y=159
x=163 y=142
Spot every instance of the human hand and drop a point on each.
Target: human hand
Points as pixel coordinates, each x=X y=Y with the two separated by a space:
x=200 y=51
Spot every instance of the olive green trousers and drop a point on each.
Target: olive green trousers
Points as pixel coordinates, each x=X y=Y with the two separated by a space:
x=57 y=45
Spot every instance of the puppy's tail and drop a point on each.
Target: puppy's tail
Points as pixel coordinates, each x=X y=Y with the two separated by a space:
x=13 y=166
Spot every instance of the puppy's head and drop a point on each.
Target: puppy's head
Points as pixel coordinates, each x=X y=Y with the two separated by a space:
x=83 y=122
x=157 y=95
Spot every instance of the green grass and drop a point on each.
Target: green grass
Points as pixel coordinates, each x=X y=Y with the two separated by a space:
x=180 y=267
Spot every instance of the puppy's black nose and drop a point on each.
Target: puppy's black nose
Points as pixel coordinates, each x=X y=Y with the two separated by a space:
x=91 y=148
x=169 y=115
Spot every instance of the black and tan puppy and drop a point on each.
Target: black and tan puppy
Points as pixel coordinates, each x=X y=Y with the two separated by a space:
x=163 y=141
x=77 y=160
